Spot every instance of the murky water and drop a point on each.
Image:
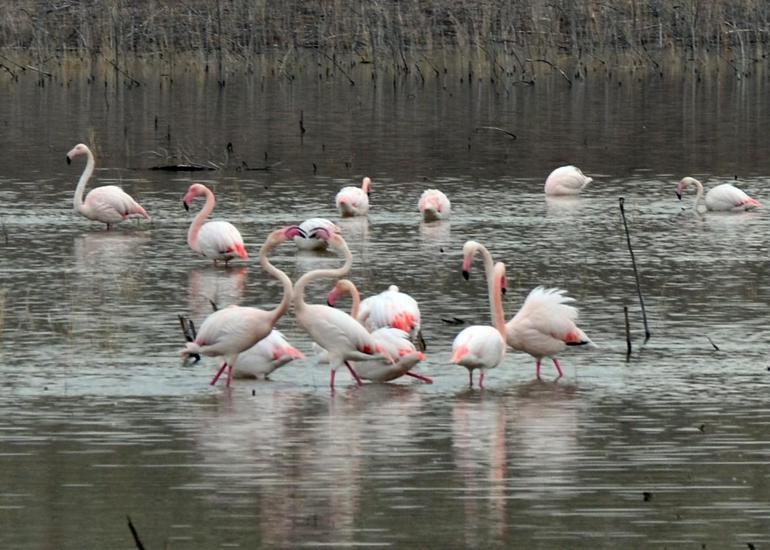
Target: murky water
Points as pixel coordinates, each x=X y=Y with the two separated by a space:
x=99 y=420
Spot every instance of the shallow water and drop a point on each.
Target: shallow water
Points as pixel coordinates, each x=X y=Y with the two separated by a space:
x=100 y=420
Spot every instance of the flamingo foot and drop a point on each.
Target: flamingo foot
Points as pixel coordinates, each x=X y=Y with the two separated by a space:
x=354 y=373
x=218 y=374
x=420 y=377
x=558 y=367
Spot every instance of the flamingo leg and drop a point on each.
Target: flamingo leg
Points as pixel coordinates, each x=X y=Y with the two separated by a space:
x=354 y=373
x=219 y=373
x=331 y=380
x=229 y=375
x=558 y=366
x=420 y=377
x=481 y=380
x=537 y=367
x=470 y=378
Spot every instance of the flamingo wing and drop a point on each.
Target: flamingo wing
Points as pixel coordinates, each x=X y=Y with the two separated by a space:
x=221 y=239
x=392 y=308
x=728 y=197
x=110 y=203
x=265 y=356
x=566 y=180
x=352 y=201
x=232 y=330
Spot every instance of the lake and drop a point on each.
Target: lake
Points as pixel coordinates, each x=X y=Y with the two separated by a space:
x=100 y=420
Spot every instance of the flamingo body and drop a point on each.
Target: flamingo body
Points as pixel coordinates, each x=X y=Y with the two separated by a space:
x=478 y=347
x=391 y=308
x=215 y=240
x=308 y=240
x=566 y=180
x=395 y=343
x=354 y=201
x=108 y=204
x=264 y=357
x=434 y=205
x=722 y=198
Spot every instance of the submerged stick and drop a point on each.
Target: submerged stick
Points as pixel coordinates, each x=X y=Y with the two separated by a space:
x=134 y=534
x=628 y=334
x=636 y=273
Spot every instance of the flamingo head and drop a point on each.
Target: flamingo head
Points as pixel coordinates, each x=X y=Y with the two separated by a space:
x=289 y=232
x=79 y=149
x=682 y=185
x=366 y=185
x=334 y=295
x=501 y=280
x=195 y=190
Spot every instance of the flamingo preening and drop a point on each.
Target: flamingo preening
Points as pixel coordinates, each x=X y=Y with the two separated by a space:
x=216 y=240
x=724 y=198
x=234 y=329
x=108 y=204
x=481 y=346
x=434 y=205
x=307 y=241
x=354 y=201
x=566 y=180
x=343 y=338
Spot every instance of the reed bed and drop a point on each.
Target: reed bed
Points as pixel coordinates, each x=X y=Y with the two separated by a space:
x=491 y=38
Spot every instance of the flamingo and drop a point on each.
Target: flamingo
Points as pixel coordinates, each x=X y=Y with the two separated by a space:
x=434 y=205
x=218 y=240
x=234 y=329
x=270 y=353
x=724 y=197
x=344 y=338
x=481 y=346
x=108 y=204
x=308 y=227
x=566 y=180
x=354 y=201
x=394 y=341
x=391 y=308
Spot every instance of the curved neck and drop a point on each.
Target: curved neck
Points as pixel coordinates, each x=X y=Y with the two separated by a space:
x=200 y=219
x=299 y=288
x=496 y=298
x=77 y=201
x=283 y=306
x=489 y=266
x=699 y=196
x=346 y=285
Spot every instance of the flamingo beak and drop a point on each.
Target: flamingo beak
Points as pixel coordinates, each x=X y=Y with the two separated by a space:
x=466 y=274
x=503 y=291
x=69 y=160
x=186 y=206
x=678 y=195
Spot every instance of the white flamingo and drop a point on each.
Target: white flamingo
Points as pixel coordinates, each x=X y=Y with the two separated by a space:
x=725 y=197
x=566 y=180
x=354 y=201
x=481 y=346
x=216 y=240
x=343 y=338
x=108 y=204
x=234 y=329
x=434 y=205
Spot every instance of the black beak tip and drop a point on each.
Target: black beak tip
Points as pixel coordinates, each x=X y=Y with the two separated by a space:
x=186 y=207
x=69 y=160
x=678 y=195
x=466 y=275
x=328 y=303
x=503 y=291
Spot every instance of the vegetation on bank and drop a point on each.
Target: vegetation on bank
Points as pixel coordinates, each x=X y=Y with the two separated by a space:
x=498 y=38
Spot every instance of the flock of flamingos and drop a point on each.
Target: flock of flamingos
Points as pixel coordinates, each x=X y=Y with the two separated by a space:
x=379 y=340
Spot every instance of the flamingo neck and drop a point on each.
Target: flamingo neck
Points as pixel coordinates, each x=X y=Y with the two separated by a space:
x=200 y=219
x=489 y=267
x=283 y=306
x=346 y=285
x=699 y=196
x=366 y=185
x=299 y=288
x=496 y=298
x=77 y=202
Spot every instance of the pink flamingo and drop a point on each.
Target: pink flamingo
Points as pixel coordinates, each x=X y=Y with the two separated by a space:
x=354 y=201
x=434 y=205
x=308 y=227
x=481 y=346
x=394 y=341
x=108 y=204
x=234 y=329
x=267 y=355
x=566 y=180
x=217 y=240
x=343 y=338
x=724 y=197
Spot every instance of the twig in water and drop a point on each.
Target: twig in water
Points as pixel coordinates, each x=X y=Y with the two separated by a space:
x=552 y=66
x=628 y=334
x=511 y=134
x=137 y=541
x=716 y=348
x=636 y=273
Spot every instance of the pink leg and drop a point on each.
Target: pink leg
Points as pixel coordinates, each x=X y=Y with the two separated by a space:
x=470 y=378
x=229 y=375
x=219 y=373
x=558 y=366
x=419 y=377
x=331 y=380
x=354 y=373
x=537 y=367
x=481 y=380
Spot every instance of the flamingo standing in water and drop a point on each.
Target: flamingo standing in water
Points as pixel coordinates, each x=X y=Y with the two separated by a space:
x=390 y=308
x=234 y=329
x=566 y=180
x=394 y=341
x=108 y=204
x=434 y=205
x=309 y=242
x=354 y=201
x=270 y=353
x=481 y=346
x=725 y=197
x=217 y=240
x=343 y=338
